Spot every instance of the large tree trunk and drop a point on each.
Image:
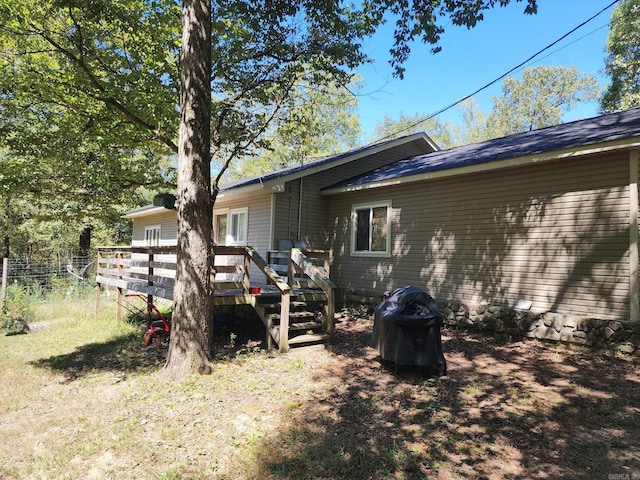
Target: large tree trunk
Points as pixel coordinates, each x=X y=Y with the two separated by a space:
x=192 y=318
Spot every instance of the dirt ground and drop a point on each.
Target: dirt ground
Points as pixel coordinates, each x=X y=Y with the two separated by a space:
x=505 y=410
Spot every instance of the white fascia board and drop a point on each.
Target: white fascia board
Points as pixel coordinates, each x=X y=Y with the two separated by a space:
x=275 y=185
x=143 y=213
x=493 y=165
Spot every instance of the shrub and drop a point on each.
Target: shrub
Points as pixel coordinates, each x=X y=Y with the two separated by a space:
x=16 y=310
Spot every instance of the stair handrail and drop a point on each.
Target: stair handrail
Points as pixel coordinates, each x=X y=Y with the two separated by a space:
x=321 y=279
x=285 y=295
x=269 y=272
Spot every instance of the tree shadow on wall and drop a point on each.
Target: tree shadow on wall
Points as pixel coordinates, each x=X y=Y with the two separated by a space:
x=499 y=246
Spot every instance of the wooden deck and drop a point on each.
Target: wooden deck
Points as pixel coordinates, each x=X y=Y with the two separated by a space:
x=295 y=298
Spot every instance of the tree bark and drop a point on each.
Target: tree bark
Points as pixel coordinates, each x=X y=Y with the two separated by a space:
x=84 y=242
x=192 y=318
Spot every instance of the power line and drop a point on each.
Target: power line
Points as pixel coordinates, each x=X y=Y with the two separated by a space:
x=457 y=102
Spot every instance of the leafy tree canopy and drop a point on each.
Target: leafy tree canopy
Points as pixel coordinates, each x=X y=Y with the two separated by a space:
x=320 y=121
x=111 y=67
x=622 y=63
x=439 y=132
x=540 y=99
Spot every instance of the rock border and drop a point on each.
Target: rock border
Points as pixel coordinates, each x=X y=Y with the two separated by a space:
x=618 y=336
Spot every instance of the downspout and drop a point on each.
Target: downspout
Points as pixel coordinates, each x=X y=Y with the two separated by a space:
x=299 y=211
x=634 y=307
x=288 y=215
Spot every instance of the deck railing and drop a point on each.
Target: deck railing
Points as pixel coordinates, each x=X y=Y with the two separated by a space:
x=320 y=276
x=151 y=271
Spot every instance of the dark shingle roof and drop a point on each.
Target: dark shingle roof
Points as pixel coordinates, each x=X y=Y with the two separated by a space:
x=606 y=128
x=325 y=161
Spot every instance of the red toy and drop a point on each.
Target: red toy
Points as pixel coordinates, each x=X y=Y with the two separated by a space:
x=158 y=330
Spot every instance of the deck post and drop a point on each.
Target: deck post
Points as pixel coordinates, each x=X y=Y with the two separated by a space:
x=120 y=298
x=150 y=259
x=330 y=311
x=291 y=269
x=246 y=280
x=269 y=341
x=96 y=312
x=284 y=322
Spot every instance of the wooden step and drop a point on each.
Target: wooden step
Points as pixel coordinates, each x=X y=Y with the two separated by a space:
x=292 y=316
x=310 y=338
x=292 y=305
x=304 y=338
x=309 y=295
x=304 y=325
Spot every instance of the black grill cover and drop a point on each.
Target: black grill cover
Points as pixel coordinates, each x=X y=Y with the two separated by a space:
x=406 y=330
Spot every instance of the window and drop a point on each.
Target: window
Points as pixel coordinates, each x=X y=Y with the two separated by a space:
x=220 y=231
x=152 y=236
x=237 y=227
x=231 y=227
x=370 y=234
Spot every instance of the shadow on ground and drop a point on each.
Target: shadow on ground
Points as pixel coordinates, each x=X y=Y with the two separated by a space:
x=123 y=353
x=126 y=354
x=504 y=411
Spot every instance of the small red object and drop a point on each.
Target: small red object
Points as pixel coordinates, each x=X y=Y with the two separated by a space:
x=254 y=290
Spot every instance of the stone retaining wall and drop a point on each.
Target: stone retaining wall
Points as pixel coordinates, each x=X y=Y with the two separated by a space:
x=623 y=337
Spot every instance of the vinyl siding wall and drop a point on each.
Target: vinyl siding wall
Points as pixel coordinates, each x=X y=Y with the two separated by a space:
x=259 y=223
x=314 y=230
x=168 y=228
x=556 y=234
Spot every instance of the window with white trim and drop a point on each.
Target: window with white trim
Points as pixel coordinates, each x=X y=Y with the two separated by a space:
x=237 y=226
x=152 y=236
x=370 y=234
x=220 y=229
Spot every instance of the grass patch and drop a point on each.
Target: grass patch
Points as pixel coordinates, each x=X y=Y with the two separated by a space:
x=81 y=399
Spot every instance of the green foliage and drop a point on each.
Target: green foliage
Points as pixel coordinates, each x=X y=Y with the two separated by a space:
x=16 y=310
x=82 y=85
x=540 y=99
x=388 y=128
x=623 y=58
x=320 y=120
x=425 y=21
x=89 y=92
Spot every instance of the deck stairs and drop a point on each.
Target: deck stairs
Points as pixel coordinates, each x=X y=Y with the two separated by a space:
x=306 y=316
x=308 y=304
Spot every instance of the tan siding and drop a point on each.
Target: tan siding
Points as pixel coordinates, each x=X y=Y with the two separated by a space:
x=556 y=234
x=286 y=214
x=259 y=224
x=168 y=227
x=313 y=227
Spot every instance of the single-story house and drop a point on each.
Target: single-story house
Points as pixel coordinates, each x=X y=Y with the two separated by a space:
x=546 y=220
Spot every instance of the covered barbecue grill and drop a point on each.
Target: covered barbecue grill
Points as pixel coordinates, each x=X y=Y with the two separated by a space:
x=406 y=330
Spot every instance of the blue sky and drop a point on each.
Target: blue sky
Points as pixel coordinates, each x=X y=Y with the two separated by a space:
x=472 y=58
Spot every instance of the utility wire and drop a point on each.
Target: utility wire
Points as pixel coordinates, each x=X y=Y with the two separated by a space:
x=457 y=102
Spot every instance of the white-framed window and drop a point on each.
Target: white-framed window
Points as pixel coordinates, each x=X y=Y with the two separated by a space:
x=152 y=236
x=371 y=229
x=220 y=228
x=237 y=226
x=231 y=227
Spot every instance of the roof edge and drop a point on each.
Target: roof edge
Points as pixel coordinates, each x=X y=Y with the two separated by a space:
x=276 y=183
x=632 y=143
x=144 y=211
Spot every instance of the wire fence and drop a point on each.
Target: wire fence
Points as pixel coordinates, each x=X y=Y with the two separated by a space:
x=44 y=276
